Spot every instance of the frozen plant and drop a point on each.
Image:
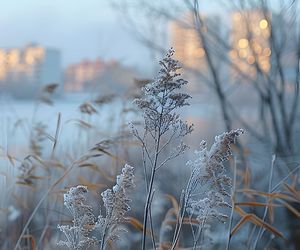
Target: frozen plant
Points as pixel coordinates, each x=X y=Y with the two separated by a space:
x=163 y=127
x=160 y=100
x=116 y=203
x=208 y=185
x=77 y=235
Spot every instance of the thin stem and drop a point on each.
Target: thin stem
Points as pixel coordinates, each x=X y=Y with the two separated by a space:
x=145 y=170
x=148 y=200
x=178 y=217
x=146 y=211
x=150 y=188
x=187 y=195
x=151 y=222
x=102 y=246
x=261 y=230
x=40 y=203
x=200 y=230
x=233 y=203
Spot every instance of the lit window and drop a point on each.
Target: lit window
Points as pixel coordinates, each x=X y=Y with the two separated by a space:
x=233 y=54
x=267 y=52
x=264 y=64
x=265 y=67
x=257 y=48
x=243 y=53
x=251 y=59
x=263 y=24
x=243 y=43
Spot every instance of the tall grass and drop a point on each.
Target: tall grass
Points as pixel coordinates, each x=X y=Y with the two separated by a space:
x=165 y=214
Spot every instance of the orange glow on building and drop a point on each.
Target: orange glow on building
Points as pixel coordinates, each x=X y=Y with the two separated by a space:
x=249 y=38
x=78 y=75
x=33 y=64
x=186 y=43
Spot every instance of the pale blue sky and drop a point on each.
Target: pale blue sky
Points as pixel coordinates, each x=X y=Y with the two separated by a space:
x=80 y=29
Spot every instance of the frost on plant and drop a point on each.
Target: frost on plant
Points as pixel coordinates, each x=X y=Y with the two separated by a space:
x=209 y=174
x=163 y=127
x=77 y=235
x=116 y=203
x=207 y=189
x=161 y=98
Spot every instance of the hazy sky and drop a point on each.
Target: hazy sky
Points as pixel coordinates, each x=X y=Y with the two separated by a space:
x=80 y=29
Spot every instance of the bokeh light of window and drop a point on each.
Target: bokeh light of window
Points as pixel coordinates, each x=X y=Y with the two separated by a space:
x=243 y=43
x=263 y=24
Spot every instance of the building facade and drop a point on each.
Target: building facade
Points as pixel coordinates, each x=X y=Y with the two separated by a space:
x=97 y=76
x=186 y=41
x=78 y=76
x=29 y=68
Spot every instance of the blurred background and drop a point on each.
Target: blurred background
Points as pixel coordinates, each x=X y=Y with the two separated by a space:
x=69 y=72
